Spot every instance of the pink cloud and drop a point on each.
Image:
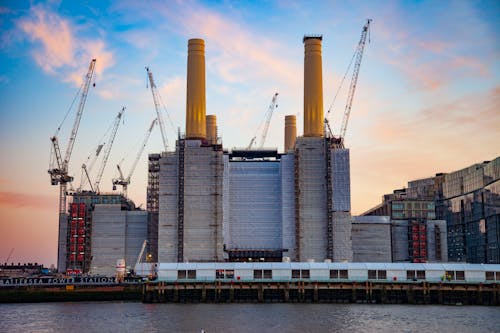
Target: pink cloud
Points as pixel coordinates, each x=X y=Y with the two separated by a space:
x=59 y=51
x=20 y=200
x=236 y=53
x=409 y=53
x=434 y=46
x=55 y=36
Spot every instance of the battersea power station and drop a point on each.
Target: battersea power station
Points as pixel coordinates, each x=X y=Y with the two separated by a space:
x=207 y=203
x=210 y=204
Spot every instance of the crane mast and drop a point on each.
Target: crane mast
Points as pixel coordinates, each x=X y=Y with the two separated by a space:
x=124 y=182
x=156 y=100
x=354 y=80
x=107 y=150
x=86 y=170
x=269 y=114
x=268 y=117
x=59 y=173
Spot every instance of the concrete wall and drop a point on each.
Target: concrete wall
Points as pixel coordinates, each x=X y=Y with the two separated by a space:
x=341 y=205
x=167 y=216
x=62 y=243
x=371 y=238
x=116 y=234
x=399 y=233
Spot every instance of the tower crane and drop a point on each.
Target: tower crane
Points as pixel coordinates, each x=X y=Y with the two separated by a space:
x=10 y=255
x=156 y=100
x=87 y=169
x=269 y=114
x=58 y=168
x=124 y=182
x=358 y=54
x=107 y=149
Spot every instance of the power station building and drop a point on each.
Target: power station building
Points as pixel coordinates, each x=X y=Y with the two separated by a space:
x=100 y=229
x=206 y=203
x=218 y=205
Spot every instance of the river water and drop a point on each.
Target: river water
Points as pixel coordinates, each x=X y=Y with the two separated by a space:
x=278 y=317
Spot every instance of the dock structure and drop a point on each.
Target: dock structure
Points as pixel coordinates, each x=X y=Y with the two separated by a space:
x=389 y=292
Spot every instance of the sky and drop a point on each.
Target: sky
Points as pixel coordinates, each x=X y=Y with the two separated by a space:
x=427 y=97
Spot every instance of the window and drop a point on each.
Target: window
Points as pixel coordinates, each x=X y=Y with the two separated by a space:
x=189 y=274
x=450 y=275
x=490 y=276
x=397 y=206
x=377 y=274
x=397 y=214
x=262 y=274
x=300 y=273
x=498 y=276
x=421 y=275
x=229 y=274
x=338 y=274
x=410 y=275
x=460 y=275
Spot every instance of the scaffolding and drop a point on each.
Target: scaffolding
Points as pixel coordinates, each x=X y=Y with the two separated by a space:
x=180 y=200
x=152 y=204
x=297 y=207
x=311 y=207
x=287 y=172
x=329 y=199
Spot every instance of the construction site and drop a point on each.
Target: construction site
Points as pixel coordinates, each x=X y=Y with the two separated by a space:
x=208 y=203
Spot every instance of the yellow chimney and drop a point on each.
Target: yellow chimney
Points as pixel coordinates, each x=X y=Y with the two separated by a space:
x=290 y=132
x=195 y=99
x=313 y=87
x=211 y=129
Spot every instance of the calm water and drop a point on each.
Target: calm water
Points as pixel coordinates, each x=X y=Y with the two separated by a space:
x=138 y=317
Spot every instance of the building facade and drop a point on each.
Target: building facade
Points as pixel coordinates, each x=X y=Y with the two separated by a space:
x=467 y=200
x=84 y=245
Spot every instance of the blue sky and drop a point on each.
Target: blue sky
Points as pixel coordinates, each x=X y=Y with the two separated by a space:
x=427 y=99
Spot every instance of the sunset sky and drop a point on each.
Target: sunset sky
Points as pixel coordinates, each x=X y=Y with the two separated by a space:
x=427 y=100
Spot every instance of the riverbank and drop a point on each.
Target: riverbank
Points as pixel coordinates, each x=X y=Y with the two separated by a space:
x=388 y=292
x=70 y=293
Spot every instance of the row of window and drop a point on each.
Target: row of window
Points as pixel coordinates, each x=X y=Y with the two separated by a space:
x=408 y=214
x=335 y=274
x=398 y=205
